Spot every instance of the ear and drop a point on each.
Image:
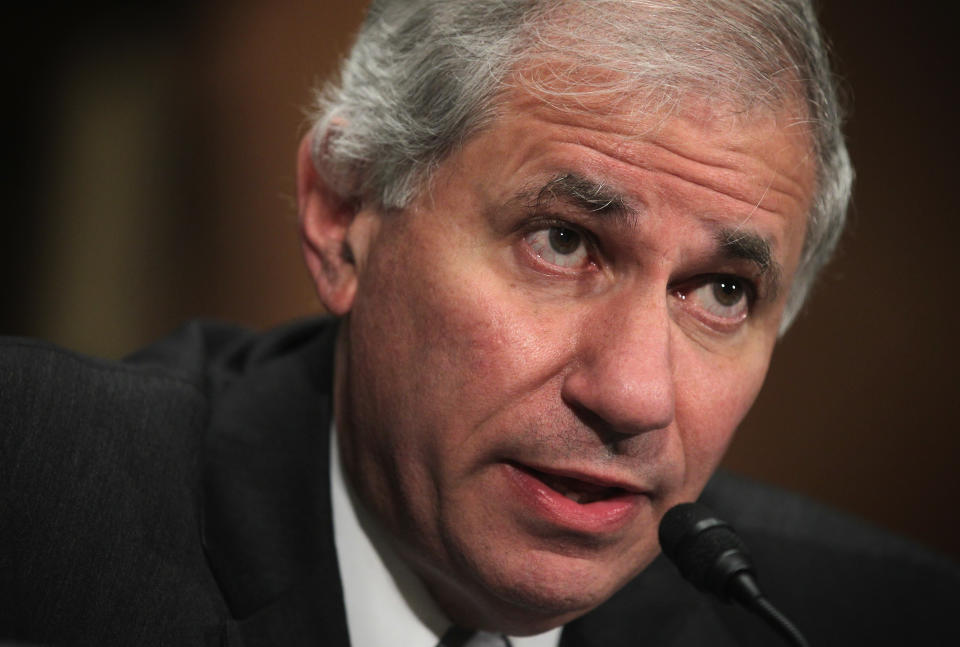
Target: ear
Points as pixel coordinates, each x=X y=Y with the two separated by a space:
x=325 y=219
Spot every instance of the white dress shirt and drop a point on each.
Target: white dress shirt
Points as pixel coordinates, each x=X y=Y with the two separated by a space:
x=387 y=604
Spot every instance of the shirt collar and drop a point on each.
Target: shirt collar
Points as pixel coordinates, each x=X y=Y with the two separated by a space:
x=386 y=602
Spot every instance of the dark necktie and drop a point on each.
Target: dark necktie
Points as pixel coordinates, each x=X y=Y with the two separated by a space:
x=460 y=637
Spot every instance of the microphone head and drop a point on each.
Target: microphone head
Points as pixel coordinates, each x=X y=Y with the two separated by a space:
x=705 y=549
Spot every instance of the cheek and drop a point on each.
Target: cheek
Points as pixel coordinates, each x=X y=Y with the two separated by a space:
x=457 y=330
x=438 y=348
x=432 y=345
x=712 y=401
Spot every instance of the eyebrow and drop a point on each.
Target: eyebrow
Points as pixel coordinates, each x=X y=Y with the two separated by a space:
x=581 y=193
x=741 y=245
x=598 y=198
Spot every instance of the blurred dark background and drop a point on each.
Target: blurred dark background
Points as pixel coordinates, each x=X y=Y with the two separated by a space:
x=148 y=179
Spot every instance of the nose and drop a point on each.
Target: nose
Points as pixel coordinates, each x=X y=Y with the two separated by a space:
x=623 y=378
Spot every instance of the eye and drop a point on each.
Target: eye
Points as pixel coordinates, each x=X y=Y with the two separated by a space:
x=722 y=296
x=559 y=246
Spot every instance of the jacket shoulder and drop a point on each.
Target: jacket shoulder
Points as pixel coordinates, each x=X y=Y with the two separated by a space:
x=65 y=409
x=843 y=580
x=99 y=491
x=102 y=481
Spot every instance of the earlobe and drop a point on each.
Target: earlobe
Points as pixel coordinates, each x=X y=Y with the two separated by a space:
x=325 y=218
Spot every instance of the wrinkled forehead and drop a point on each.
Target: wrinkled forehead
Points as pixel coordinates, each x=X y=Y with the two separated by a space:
x=683 y=119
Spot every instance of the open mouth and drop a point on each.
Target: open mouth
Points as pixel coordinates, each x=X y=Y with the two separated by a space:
x=581 y=492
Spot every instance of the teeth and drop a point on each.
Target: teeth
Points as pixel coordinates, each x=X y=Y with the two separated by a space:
x=578 y=491
x=582 y=497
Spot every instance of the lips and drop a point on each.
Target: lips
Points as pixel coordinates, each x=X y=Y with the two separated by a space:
x=572 y=500
x=575 y=489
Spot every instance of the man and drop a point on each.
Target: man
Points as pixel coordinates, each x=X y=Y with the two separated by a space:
x=561 y=240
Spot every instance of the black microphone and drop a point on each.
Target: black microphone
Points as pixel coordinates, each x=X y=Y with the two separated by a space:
x=713 y=558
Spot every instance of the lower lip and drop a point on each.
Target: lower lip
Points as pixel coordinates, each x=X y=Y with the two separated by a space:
x=597 y=517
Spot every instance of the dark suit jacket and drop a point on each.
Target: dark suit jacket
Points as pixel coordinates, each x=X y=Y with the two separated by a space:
x=182 y=498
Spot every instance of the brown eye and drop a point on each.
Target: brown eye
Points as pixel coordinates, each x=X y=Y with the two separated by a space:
x=560 y=246
x=727 y=290
x=564 y=241
x=719 y=298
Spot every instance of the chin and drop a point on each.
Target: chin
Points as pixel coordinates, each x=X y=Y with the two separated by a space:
x=533 y=591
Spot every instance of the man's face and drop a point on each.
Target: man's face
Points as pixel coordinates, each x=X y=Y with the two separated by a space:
x=554 y=345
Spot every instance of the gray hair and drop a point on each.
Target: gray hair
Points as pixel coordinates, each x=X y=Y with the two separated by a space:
x=425 y=75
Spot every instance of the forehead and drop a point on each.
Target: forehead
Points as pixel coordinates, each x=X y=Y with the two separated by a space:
x=758 y=157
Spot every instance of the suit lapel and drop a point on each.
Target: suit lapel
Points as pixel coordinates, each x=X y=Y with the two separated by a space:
x=267 y=521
